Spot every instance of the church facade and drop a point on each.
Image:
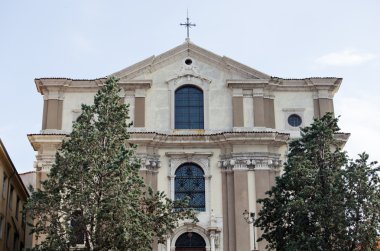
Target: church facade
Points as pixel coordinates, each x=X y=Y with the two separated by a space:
x=206 y=127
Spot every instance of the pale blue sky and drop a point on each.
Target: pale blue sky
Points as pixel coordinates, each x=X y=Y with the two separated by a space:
x=93 y=38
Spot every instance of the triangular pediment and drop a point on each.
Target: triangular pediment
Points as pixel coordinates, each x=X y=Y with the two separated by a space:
x=189 y=49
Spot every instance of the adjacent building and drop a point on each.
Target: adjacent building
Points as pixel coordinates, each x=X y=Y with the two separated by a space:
x=13 y=197
x=206 y=126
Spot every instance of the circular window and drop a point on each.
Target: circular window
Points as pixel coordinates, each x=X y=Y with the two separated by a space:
x=188 y=61
x=294 y=120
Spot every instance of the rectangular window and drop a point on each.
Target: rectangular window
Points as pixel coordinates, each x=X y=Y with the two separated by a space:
x=23 y=218
x=17 y=208
x=8 y=234
x=5 y=178
x=16 y=240
x=1 y=226
x=10 y=200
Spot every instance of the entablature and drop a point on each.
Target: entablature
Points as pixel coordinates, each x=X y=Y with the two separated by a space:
x=329 y=84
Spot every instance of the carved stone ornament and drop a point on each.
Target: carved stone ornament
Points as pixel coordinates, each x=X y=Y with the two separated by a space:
x=250 y=161
x=177 y=159
x=149 y=161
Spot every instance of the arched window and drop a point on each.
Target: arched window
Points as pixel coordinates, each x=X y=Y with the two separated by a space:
x=190 y=182
x=189 y=108
x=190 y=240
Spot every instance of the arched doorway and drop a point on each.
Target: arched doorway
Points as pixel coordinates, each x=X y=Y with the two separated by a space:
x=190 y=241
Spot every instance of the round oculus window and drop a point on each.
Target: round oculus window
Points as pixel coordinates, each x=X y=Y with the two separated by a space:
x=188 y=61
x=294 y=120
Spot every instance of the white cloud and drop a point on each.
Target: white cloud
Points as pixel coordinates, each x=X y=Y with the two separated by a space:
x=359 y=117
x=346 y=57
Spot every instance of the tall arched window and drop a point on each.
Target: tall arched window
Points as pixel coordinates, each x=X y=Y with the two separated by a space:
x=189 y=108
x=190 y=182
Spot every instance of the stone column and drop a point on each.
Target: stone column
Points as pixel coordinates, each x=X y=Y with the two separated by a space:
x=168 y=244
x=212 y=242
x=154 y=180
x=231 y=211
x=264 y=180
x=225 y=209
x=241 y=204
x=149 y=170
x=172 y=195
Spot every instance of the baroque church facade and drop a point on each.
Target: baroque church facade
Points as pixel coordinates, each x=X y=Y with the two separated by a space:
x=206 y=126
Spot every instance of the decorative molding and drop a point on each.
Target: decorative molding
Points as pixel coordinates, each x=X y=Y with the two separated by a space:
x=269 y=137
x=193 y=51
x=323 y=94
x=188 y=75
x=149 y=161
x=202 y=159
x=279 y=84
x=190 y=227
x=250 y=161
x=53 y=88
x=176 y=159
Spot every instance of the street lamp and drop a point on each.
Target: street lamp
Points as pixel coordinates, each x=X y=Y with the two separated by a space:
x=250 y=218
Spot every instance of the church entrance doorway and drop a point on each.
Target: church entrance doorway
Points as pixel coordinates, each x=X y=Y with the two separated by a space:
x=190 y=241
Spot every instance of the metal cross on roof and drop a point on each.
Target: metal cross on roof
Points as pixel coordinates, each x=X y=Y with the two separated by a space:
x=188 y=25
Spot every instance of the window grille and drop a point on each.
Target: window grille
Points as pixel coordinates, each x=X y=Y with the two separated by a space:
x=190 y=239
x=190 y=184
x=189 y=108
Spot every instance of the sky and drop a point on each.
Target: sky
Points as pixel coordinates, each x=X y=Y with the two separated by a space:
x=95 y=38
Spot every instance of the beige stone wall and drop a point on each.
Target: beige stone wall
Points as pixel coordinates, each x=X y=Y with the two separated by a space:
x=239 y=167
x=13 y=196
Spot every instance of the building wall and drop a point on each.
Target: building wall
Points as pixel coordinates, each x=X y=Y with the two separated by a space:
x=13 y=196
x=241 y=148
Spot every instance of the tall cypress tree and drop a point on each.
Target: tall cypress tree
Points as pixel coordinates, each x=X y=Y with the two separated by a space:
x=314 y=203
x=94 y=193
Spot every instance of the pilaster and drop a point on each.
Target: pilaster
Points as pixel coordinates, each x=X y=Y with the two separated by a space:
x=237 y=108
x=258 y=108
x=139 y=114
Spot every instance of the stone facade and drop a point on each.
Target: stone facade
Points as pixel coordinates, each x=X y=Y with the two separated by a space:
x=13 y=196
x=241 y=148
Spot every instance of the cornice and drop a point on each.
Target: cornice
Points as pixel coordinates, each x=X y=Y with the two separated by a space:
x=342 y=138
x=209 y=140
x=279 y=84
x=47 y=85
x=188 y=154
x=38 y=140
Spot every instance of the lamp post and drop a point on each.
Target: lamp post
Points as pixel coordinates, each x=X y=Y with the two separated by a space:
x=250 y=218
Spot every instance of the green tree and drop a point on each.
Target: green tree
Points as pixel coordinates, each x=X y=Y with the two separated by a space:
x=94 y=192
x=362 y=196
x=321 y=202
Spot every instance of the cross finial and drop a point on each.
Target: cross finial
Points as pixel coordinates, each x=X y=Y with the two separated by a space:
x=188 y=25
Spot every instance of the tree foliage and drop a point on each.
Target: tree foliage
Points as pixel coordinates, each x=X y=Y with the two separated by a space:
x=94 y=192
x=322 y=201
